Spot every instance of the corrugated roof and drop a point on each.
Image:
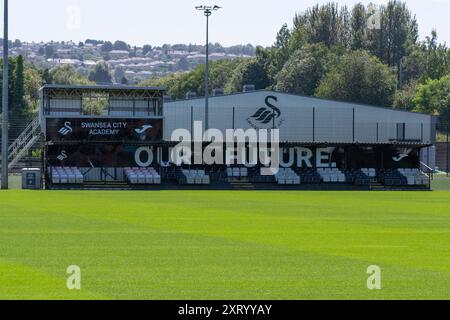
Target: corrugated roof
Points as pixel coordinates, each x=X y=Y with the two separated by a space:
x=102 y=87
x=296 y=95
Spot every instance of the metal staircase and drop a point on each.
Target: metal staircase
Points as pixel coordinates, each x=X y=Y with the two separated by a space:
x=23 y=143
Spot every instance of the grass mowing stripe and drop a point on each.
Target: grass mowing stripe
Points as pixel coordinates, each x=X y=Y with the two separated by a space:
x=231 y=245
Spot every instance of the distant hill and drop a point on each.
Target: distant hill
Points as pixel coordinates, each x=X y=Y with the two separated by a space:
x=126 y=62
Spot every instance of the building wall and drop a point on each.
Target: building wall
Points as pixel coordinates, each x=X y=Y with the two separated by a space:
x=300 y=119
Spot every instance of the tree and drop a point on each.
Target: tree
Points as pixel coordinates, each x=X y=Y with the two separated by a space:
x=325 y=24
x=250 y=71
x=45 y=75
x=397 y=35
x=304 y=70
x=221 y=71
x=359 y=77
x=433 y=97
x=33 y=82
x=146 y=49
x=107 y=47
x=178 y=84
x=280 y=51
x=17 y=43
x=183 y=64
x=437 y=57
x=19 y=111
x=404 y=99
x=12 y=67
x=119 y=74
x=101 y=74
x=120 y=45
x=358 y=27
x=133 y=52
x=415 y=65
x=67 y=75
x=94 y=42
x=49 y=51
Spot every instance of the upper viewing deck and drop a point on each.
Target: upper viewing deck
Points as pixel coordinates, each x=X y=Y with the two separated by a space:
x=101 y=101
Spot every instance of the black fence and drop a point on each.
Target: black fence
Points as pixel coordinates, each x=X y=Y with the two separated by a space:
x=443 y=147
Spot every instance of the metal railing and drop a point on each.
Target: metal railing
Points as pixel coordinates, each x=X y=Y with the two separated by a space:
x=23 y=143
x=430 y=173
x=430 y=170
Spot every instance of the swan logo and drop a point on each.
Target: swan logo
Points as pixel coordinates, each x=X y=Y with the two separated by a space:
x=400 y=157
x=62 y=156
x=142 y=129
x=66 y=129
x=267 y=115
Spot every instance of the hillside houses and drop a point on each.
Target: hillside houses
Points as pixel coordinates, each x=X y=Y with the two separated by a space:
x=137 y=63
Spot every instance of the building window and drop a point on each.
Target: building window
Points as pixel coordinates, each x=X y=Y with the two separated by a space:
x=401 y=131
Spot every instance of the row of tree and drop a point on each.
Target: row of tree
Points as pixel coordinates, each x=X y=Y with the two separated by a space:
x=25 y=80
x=359 y=55
x=23 y=94
x=330 y=52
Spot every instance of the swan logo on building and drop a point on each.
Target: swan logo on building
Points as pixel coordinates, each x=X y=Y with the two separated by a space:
x=66 y=129
x=400 y=157
x=142 y=129
x=268 y=116
x=62 y=156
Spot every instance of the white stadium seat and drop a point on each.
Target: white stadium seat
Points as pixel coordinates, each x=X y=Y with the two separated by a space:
x=286 y=176
x=198 y=177
x=237 y=172
x=66 y=175
x=144 y=176
x=414 y=176
x=331 y=175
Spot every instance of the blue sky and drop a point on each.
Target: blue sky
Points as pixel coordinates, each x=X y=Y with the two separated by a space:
x=175 y=21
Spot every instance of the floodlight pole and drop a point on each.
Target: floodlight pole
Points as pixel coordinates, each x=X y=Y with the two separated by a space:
x=207 y=10
x=5 y=110
x=207 y=14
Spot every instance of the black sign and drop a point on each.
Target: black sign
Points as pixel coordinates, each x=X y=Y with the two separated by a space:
x=105 y=155
x=103 y=129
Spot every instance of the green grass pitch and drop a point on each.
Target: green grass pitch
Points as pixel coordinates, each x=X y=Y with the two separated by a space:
x=225 y=245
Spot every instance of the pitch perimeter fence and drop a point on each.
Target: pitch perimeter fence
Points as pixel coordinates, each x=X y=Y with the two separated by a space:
x=443 y=147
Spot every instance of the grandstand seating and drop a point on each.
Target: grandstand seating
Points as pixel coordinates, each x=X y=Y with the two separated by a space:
x=237 y=172
x=144 y=176
x=369 y=172
x=392 y=177
x=256 y=177
x=192 y=177
x=170 y=172
x=402 y=177
x=309 y=175
x=333 y=175
x=287 y=176
x=217 y=173
x=414 y=176
x=66 y=175
x=364 y=176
